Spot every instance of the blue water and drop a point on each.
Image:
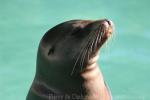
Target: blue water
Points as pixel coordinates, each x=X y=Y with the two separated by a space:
x=125 y=60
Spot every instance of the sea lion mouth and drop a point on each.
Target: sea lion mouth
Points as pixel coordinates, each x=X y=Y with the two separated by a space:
x=88 y=55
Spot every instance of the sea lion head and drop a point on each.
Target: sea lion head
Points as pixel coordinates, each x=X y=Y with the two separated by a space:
x=71 y=45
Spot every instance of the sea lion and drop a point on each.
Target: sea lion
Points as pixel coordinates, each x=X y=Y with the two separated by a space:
x=66 y=62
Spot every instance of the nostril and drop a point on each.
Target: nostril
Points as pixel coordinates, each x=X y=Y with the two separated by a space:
x=109 y=22
x=105 y=24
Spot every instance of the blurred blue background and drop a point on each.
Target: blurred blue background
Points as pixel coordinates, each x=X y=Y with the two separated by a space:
x=125 y=60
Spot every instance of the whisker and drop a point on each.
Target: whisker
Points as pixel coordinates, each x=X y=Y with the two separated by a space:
x=98 y=35
x=83 y=58
x=80 y=53
x=92 y=44
x=88 y=47
x=101 y=35
x=87 y=51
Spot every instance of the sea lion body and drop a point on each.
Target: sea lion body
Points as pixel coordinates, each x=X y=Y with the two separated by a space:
x=66 y=62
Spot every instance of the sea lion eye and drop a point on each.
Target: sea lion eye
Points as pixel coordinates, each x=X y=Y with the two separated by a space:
x=51 y=50
x=76 y=31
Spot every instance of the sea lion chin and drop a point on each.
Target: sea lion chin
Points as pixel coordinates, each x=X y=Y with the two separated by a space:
x=66 y=62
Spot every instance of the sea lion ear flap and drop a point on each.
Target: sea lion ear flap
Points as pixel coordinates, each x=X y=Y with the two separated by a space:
x=51 y=50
